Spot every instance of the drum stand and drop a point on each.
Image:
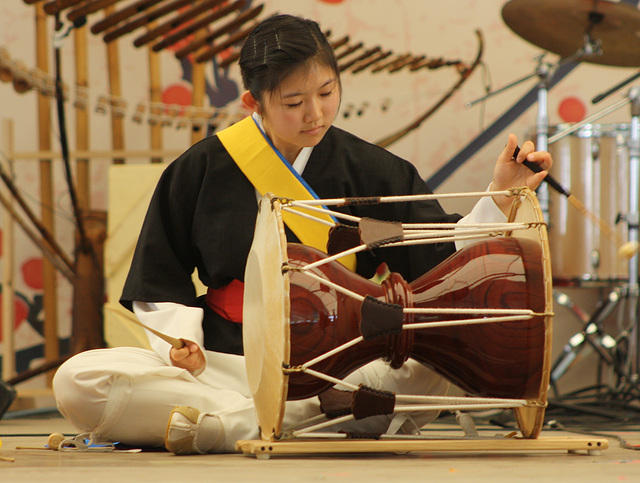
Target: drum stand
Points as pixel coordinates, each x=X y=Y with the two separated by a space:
x=621 y=353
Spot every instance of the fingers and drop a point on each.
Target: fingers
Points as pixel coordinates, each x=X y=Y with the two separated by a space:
x=527 y=152
x=187 y=354
x=510 y=147
x=541 y=158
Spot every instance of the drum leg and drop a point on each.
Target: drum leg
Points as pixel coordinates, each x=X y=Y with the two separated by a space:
x=530 y=421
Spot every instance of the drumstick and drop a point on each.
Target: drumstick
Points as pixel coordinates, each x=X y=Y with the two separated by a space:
x=625 y=249
x=177 y=343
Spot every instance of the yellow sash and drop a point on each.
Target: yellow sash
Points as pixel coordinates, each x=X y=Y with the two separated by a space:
x=269 y=174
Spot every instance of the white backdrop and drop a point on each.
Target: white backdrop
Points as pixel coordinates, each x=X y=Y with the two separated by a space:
x=434 y=28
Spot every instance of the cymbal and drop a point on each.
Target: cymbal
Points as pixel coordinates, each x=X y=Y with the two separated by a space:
x=560 y=26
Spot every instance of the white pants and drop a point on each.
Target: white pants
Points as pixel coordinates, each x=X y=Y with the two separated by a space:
x=126 y=394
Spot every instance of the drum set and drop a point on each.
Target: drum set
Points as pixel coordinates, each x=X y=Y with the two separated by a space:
x=601 y=165
x=483 y=317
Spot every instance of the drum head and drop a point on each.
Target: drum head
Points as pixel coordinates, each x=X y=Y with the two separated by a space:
x=266 y=319
x=526 y=209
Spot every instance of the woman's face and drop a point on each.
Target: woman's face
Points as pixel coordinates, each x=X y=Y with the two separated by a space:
x=301 y=110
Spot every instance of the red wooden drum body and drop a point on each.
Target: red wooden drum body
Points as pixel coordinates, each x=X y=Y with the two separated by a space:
x=489 y=360
x=291 y=318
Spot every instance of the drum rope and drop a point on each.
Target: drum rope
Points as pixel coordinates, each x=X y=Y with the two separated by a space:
x=412 y=241
x=397 y=199
x=415 y=326
x=294 y=207
x=487 y=404
x=408 y=227
x=416 y=310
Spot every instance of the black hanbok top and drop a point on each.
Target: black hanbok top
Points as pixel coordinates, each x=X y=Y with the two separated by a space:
x=202 y=215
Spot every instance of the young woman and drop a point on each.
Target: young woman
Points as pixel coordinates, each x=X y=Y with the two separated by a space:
x=196 y=399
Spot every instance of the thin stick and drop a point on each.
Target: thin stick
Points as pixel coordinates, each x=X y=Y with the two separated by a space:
x=604 y=227
x=176 y=22
x=396 y=199
x=46 y=234
x=116 y=17
x=50 y=292
x=147 y=19
x=193 y=27
x=625 y=248
x=177 y=343
x=8 y=288
x=50 y=255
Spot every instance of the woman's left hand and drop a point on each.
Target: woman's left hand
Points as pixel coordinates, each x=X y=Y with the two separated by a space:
x=510 y=173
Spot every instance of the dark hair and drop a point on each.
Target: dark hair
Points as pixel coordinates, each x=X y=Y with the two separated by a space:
x=278 y=46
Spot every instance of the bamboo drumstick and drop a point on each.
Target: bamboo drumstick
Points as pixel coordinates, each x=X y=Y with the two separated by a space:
x=365 y=65
x=176 y=21
x=228 y=27
x=89 y=8
x=231 y=40
x=197 y=25
x=359 y=58
x=177 y=343
x=626 y=249
x=56 y=6
x=144 y=20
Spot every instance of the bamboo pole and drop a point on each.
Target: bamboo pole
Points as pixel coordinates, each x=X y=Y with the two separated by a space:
x=82 y=118
x=8 y=294
x=50 y=289
x=115 y=90
x=155 y=96
x=198 y=81
x=109 y=153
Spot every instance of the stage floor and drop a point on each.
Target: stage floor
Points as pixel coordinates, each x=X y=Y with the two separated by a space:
x=28 y=430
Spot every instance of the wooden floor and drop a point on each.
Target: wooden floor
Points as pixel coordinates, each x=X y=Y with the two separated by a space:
x=475 y=464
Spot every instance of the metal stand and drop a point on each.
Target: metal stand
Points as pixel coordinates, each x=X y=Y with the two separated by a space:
x=542 y=130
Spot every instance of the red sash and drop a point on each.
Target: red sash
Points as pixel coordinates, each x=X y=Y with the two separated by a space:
x=227 y=301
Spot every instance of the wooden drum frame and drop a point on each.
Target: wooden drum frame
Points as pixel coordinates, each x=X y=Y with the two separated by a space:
x=518 y=256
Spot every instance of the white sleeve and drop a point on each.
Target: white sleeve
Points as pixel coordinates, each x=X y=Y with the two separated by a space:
x=485 y=211
x=176 y=320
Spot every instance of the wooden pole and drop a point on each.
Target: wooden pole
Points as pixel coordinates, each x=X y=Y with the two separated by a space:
x=198 y=82
x=82 y=118
x=115 y=90
x=155 y=96
x=50 y=289
x=8 y=295
x=88 y=287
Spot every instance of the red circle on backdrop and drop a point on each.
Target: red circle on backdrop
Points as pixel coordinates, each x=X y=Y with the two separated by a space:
x=178 y=94
x=572 y=109
x=21 y=311
x=332 y=1
x=32 y=273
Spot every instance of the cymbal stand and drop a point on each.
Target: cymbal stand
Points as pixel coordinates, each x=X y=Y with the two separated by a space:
x=633 y=221
x=544 y=72
x=542 y=129
x=625 y=364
